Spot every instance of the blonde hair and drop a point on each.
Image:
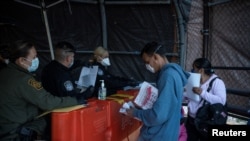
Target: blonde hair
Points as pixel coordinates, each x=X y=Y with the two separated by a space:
x=99 y=51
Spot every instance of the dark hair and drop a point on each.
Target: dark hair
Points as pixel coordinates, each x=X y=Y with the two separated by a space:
x=153 y=47
x=19 y=49
x=205 y=64
x=66 y=46
x=4 y=50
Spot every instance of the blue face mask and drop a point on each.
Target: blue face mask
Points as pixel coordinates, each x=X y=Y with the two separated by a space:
x=34 y=65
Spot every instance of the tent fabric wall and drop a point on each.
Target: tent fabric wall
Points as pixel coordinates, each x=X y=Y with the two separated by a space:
x=194 y=36
x=228 y=40
x=228 y=50
x=129 y=28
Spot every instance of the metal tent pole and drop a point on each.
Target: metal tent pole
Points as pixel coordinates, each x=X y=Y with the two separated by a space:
x=205 y=30
x=43 y=7
x=104 y=24
x=47 y=29
x=182 y=35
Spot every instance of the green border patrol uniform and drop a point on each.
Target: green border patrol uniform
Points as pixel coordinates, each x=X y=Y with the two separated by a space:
x=22 y=98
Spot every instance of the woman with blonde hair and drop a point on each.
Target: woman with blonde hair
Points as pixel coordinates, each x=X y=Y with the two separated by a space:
x=112 y=82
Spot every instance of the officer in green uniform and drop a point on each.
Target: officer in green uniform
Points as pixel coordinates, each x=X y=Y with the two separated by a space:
x=22 y=98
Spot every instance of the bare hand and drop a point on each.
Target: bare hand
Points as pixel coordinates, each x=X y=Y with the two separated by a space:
x=130 y=112
x=197 y=90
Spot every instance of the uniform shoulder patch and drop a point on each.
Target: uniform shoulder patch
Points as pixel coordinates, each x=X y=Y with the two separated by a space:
x=35 y=84
x=68 y=85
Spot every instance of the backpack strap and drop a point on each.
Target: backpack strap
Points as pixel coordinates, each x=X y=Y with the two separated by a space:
x=211 y=84
x=208 y=89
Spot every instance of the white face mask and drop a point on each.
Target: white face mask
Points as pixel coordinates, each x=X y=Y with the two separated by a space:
x=71 y=64
x=149 y=68
x=105 y=62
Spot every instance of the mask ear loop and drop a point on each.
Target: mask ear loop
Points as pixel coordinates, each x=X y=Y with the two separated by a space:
x=27 y=59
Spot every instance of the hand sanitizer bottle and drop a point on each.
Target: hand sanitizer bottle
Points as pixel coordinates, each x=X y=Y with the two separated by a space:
x=102 y=91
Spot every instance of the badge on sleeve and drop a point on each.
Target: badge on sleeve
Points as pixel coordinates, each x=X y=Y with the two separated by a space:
x=35 y=84
x=100 y=72
x=68 y=85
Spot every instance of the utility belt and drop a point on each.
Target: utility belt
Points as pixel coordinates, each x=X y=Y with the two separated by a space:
x=20 y=134
x=27 y=134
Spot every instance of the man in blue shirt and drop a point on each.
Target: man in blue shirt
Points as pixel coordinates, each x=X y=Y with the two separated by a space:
x=162 y=121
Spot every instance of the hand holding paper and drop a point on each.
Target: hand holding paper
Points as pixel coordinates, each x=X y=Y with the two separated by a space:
x=88 y=76
x=126 y=106
x=146 y=96
x=193 y=81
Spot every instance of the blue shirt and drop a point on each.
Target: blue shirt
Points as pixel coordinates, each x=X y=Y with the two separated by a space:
x=162 y=122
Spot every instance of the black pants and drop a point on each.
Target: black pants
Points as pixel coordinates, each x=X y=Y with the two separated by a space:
x=192 y=132
x=29 y=131
x=24 y=134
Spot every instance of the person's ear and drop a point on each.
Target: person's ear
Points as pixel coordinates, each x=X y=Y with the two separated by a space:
x=68 y=59
x=201 y=70
x=156 y=57
x=20 y=60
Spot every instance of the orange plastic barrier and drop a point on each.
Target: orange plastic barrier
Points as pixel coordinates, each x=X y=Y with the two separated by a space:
x=121 y=125
x=132 y=92
x=85 y=124
x=100 y=121
x=133 y=136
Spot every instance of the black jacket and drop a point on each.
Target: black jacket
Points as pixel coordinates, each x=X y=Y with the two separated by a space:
x=57 y=80
x=112 y=82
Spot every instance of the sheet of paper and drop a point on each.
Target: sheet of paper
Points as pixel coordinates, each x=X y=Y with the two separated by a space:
x=88 y=76
x=193 y=81
x=146 y=96
x=65 y=109
x=125 y=106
